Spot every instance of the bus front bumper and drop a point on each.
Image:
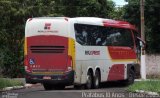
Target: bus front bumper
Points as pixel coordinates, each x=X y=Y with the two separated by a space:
x=66 y=79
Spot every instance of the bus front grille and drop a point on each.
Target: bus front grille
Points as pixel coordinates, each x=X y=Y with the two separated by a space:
x=47 y=49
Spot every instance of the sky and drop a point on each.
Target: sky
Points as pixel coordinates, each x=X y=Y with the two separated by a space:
x=119 y=2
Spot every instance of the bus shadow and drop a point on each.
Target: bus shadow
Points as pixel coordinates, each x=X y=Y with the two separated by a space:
x=113 y=84
x=103 y=85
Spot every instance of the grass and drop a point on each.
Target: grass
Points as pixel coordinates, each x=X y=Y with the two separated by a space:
x=6 y=82
x=153 y=86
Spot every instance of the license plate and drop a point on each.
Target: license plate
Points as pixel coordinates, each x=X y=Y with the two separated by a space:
x=47 y=77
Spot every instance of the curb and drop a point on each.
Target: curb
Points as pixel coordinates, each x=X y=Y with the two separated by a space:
x=19 y=87
x=147 y=92
x=138 y=80
x=13 y=88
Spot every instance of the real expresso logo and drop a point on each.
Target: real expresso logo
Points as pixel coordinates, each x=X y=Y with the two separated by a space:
x=47 y=26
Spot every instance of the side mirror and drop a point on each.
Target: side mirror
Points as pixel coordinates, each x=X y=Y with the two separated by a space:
x=142 y=42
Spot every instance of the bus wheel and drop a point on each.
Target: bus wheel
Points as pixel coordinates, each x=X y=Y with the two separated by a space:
x=60 y=87
x=97 y=80
x=47 y=86
x=131 y=77
x=79 y=87
x=89 y=81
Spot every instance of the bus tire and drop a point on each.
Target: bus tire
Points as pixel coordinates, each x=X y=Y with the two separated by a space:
x=97 y=79
x=89 y=83
x=60 y=87
x=131 y=77
x=79 y=87
x=47 y=86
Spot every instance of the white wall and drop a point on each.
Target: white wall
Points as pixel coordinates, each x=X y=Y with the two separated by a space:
x=153 y=64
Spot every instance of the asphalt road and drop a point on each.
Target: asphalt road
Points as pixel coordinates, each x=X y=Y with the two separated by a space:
x=109 y=90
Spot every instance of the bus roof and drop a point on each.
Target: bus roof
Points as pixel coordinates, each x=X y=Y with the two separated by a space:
x=107 y=22
x=97 y=21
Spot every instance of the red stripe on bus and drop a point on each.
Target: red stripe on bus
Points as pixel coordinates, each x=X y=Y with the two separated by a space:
x=116 y=72
x=118 y=24
x=121 y=52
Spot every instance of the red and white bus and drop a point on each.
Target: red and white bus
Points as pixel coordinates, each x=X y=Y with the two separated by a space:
x=62 y=51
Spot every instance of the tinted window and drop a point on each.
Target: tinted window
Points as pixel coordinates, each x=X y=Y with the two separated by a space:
x=102 y=36
x=119 y=37
x=86 y=34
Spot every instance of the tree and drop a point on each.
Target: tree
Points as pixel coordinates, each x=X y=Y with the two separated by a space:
x=11 y=35
x=84 y=8
x=152 y=13
x=117 y=13
x=152 y=21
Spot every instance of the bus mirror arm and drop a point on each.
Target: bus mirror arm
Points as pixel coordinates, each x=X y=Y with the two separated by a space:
x=142 y=43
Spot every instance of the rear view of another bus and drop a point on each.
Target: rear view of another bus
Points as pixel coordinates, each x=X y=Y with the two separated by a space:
x=46 y=53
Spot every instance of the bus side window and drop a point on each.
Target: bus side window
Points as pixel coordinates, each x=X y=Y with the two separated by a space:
x=119 y=37
x=127 y=38
x=100 y=38
x=86 y=34
x=80 y=34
